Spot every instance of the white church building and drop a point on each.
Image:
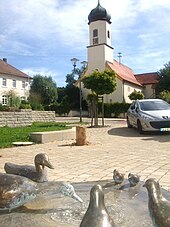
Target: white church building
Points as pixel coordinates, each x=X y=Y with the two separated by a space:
x=100 y=57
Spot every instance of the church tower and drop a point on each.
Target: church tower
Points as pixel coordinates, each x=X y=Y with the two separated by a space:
x=99 y=50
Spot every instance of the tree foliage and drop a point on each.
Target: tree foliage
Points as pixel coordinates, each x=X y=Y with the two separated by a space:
x=70 y=95
x=101 y=82
x=165 y=95
x=164 y=78
x=43 y=90
x=136 y=95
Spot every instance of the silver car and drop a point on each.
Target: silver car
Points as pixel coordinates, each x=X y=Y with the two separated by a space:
x=149 y=115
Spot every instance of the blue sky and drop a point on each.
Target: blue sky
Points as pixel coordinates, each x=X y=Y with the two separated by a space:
x=41 y=36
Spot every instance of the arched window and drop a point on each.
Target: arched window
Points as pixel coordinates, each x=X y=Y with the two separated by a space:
x=95 y=33
x=95 y=37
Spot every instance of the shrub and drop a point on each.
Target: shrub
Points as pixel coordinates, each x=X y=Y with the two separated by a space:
x=113 y=109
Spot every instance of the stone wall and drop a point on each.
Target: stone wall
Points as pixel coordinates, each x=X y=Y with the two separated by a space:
x=25 y=117
x=43 y=116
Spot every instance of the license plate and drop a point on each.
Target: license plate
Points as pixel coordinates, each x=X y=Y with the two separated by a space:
x=164 y=129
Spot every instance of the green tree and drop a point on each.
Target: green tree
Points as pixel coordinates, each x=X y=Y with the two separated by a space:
x=165 y=95
x=136 y=95
x=100 y=83
x=44 y=89
x=164 y=79
x=70 y=93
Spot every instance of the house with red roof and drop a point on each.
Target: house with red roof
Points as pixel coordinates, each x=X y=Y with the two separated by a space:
x=149 y=81
x=12 y=79
x=100 y=57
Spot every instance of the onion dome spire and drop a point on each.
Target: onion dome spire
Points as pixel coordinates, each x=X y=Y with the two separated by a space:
x=99 y=13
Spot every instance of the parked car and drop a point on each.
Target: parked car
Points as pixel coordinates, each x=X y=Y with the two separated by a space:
x=149 y=115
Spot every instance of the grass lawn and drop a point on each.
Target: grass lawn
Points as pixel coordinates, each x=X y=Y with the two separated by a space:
x=9 y=135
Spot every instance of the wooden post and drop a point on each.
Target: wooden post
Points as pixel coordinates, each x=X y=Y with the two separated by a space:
x=81 y=136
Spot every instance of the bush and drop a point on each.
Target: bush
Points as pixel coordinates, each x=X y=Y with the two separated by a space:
x=136 y=95
x=113 y=109
x=25 y=105
x=165 y=95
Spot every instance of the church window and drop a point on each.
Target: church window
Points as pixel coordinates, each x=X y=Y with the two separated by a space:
x=95 y=33
x=95 y=41
x=95 y=37
x=108 y=34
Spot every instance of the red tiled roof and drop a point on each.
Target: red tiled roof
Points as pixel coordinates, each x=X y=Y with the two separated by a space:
x=147 y=78
x=124 y=72
x=5 y=68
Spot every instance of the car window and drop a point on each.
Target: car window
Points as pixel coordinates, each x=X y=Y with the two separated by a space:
x=154 y=105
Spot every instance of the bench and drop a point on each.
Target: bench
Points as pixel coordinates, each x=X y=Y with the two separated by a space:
x=45 y=137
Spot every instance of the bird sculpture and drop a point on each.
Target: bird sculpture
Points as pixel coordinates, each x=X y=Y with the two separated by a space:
x=118 y=177
x=97 y=214
x=36 y=173
x=159 y=206
x=15 y=191
x=133 y=179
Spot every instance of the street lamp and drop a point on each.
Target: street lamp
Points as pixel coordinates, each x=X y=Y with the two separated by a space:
x=84 y=63
x=74 y=62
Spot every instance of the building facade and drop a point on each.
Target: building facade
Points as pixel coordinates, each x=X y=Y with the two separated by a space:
x=13 y=81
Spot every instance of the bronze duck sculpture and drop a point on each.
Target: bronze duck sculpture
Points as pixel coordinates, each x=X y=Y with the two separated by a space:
x=97 y=214
x=15 y=191
x=37 y=173
x=118 y=177
x=159 y=207
x=133 y=179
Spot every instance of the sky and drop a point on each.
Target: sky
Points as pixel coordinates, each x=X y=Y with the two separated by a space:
x=41 y=36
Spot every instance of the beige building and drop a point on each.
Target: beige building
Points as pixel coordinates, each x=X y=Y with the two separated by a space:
x=12 y=80
x=100 y=57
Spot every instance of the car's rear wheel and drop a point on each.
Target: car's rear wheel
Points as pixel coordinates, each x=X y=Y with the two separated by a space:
x=139 y=127
x=128 y=123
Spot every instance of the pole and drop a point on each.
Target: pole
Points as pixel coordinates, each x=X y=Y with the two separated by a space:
x=80 y=101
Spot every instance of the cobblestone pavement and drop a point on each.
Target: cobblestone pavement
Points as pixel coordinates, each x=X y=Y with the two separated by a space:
x=111 y=147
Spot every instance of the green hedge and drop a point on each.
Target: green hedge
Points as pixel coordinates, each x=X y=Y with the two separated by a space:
x=113 y=109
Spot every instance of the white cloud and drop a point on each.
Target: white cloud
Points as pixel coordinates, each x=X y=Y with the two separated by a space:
x=44 y=72
x=59 y=29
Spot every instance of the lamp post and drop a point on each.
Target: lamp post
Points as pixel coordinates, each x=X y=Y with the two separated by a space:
x=84 y=63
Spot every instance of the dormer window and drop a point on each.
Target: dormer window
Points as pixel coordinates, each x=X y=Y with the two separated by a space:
x=95 y=37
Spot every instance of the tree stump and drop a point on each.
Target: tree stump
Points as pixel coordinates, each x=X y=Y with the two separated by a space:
x=81 y=136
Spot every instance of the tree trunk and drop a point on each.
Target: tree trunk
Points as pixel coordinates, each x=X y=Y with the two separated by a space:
x=81 y=138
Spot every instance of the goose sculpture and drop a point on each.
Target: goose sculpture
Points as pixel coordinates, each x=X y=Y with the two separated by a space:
x=37 y=173
x=97 y=214
x=15 y=191
x=159 y=206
